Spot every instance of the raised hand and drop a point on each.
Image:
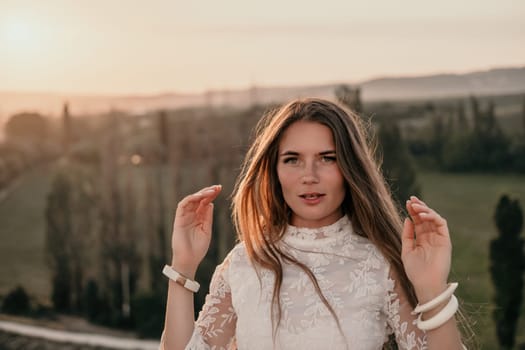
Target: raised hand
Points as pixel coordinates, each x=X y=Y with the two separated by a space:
x=192 y=229
x=426 y=249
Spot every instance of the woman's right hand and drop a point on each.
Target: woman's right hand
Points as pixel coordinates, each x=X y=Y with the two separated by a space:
x=192 y=229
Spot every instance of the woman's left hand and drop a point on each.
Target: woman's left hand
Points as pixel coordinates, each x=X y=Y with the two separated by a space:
x=426 y=257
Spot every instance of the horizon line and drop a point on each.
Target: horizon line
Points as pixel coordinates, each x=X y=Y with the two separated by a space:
x=248 y=87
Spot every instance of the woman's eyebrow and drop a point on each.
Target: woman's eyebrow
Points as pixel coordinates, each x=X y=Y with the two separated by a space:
x=289 y=153
x=294 y=153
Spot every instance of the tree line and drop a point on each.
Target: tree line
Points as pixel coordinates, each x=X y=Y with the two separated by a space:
x=477 y=143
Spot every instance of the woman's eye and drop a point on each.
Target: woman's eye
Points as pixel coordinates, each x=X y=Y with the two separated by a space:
x=329 y=159
x=290 y=160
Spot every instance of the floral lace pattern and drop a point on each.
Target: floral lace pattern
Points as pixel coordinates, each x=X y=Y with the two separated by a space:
x=353 y=276
x=400 y=320
x=215 y=328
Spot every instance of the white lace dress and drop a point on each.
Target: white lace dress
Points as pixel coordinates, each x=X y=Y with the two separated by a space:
x=353 y=275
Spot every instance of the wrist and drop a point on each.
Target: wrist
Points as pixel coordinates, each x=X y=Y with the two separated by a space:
x=424 y=294
x=180 y=279
x=436 y=312
x=185 y=270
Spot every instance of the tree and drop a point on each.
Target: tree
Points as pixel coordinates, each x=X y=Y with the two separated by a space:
x=507 y=264
x=398 y=166
x=70 y=219
x=92 y=305
x=439 y=137
x=157 y=256
x=523 y=114
x=118 y=251
x=476 y=115
x=17 y=302
x=59 y=226
x=484 y=148
x=350 y=97
x=27 y=127
x=462 y=118
x=67 y=133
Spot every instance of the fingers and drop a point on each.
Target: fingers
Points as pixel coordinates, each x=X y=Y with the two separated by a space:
x=427 y=221
x=417 y=200
x=412 y=212
x=415 y=207
x=208 y=219
x=424 y=213
x=201 y=198
x=407 y=237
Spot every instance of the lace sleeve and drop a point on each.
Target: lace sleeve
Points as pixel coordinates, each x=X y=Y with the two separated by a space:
x=400 y=320
x=215 y=326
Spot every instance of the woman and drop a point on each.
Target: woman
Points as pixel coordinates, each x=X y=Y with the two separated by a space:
x=324 y=260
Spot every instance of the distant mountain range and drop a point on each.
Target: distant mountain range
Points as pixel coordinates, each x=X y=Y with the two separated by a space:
x=491 y=82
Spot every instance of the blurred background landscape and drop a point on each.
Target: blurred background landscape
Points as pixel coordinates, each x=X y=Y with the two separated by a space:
x=111 y=112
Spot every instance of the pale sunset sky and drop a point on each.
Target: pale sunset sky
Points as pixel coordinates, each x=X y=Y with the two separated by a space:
x=159 y=46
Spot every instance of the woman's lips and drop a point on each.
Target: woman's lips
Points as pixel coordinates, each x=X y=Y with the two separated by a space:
x=311 y=198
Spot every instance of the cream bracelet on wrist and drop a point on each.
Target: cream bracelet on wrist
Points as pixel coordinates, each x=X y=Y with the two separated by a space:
x=437 y=300
x=440 y=318
x=190 y=285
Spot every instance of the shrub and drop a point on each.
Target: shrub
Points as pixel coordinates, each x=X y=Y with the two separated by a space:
x=16 y=302
x=148 y=311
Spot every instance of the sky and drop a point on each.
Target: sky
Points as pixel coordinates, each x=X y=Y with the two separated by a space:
x=160 y=46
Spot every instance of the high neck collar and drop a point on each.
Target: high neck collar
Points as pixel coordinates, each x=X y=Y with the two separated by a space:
x=304 y=234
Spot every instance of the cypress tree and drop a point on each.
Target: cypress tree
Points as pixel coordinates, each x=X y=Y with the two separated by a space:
x=350 y=97
x=439 y=137
x=397 y=164
x=507 y=264
x=462 y=119
x=58 y=231
x=523 y=114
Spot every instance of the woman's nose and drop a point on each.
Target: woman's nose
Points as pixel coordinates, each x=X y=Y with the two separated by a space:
x=310 y=174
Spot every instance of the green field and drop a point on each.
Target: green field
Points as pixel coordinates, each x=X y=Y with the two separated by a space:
x=467 y=201
x=22 y=235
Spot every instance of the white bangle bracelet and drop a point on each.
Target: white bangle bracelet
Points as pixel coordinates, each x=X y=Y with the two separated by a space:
x=180 y=279
x=437 y=300
x=440 y=318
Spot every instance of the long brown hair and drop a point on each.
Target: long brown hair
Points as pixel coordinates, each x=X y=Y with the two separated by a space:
x=261 y=215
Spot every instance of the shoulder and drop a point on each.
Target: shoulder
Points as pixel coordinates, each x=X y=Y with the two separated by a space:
x=236 y=255
x=232 y=259
x=235 y=266
x=239 y=250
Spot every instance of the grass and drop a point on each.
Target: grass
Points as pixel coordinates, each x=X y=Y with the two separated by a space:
x=468 y=202
x=22 y=236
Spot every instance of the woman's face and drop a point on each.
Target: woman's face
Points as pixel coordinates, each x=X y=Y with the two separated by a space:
x=310 y=178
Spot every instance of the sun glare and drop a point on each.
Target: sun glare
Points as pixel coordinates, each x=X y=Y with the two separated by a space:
x=19 y=35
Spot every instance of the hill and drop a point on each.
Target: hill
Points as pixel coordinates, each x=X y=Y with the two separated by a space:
x=491 y=82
